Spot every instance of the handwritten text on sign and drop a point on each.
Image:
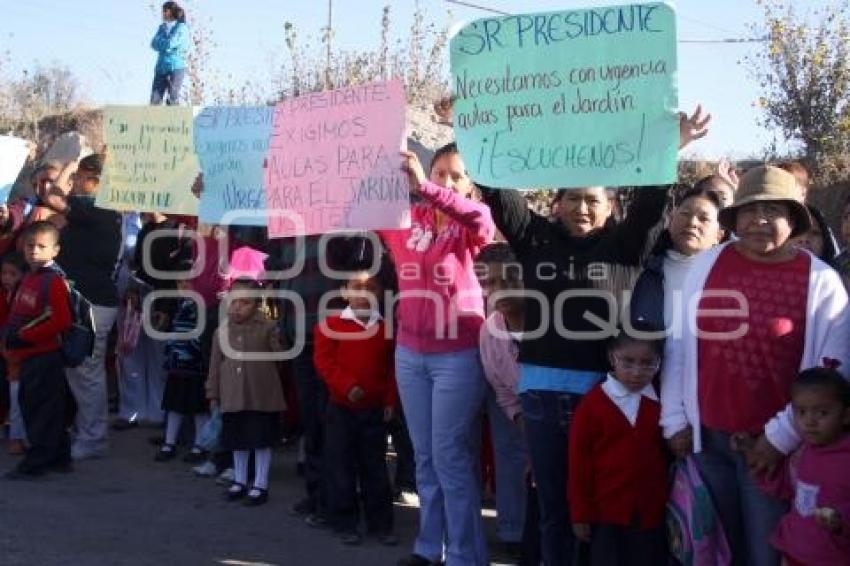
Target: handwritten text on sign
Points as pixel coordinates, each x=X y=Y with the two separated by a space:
x=576 y=98
x=333 y=162
x=13 y=155
x=151 y=161
x=231 y=143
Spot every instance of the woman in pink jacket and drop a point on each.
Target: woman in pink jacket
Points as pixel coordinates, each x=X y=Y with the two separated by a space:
x=440 y=380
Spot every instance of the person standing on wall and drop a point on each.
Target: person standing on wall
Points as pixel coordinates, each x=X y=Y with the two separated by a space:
x=171 y=42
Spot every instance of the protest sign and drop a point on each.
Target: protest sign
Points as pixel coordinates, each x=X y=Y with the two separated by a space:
x=334 y=163
x=572 y=98
x=13 y=155
x=151 y=162
x=231 y=143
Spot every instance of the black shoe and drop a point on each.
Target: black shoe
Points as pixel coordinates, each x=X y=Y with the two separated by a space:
x=124 y=424
x=303 y=508
x=510 y=552
x=351 y=539
x=388 y=539
x=23 y=474
x=65 y=466
x=196 y=456
x=316 y=521
x=235 y=495
x=417 y=560
x=262 y=496
x=166 y=452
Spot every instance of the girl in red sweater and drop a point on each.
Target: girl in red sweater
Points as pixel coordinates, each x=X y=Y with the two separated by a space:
x=617 y=464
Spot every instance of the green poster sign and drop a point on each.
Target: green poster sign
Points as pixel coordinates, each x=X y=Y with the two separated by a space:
x=568 y=99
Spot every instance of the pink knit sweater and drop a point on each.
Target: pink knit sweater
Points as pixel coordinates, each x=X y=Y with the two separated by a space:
x=441 y=307
x=814 y=477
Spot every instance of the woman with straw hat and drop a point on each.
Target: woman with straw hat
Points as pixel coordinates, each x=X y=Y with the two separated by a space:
x=758 y=310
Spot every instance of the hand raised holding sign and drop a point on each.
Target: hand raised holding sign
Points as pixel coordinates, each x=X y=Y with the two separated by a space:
x=410 y=164
x=693 y=127
x=726 y=170
x=198 y=185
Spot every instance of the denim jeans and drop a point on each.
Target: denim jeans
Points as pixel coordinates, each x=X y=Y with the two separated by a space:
x=747 y=513
x=511 y=459
x=442 y=395
x=168 y=82
x=547 y=416
x=16 y=419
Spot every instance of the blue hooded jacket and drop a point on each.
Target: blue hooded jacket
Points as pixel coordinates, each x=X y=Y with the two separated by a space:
x=172 y=48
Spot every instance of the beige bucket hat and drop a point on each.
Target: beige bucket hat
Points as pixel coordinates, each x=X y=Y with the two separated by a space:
x=768 y=184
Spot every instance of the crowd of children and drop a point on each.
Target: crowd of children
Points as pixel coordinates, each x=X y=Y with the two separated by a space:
x=704 y=327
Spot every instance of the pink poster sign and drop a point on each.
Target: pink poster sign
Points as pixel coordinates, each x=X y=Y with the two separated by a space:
x=333 y=162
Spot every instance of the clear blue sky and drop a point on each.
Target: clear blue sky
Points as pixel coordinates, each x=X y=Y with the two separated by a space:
x=106 y=45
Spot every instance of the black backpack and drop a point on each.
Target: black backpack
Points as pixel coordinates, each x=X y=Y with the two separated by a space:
x=77 y=341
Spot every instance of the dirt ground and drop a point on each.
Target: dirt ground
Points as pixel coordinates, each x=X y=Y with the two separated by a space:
x=126 y=509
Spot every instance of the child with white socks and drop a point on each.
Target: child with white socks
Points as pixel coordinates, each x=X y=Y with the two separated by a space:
x=184 y=388
x=243 y=380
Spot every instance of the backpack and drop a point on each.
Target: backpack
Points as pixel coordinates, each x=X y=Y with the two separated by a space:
x=693 y=526
x=77 y=341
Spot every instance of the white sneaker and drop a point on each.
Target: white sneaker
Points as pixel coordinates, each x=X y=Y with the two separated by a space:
x=225 y=477
x=78 y=453
x=205 y=470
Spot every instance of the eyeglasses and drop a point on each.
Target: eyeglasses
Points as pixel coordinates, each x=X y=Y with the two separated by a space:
x=629 y=365
x=768 y=211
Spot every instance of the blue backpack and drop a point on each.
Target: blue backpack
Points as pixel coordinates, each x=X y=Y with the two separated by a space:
x=77 y=341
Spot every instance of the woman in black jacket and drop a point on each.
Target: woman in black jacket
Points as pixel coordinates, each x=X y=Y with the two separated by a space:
x=576 y=271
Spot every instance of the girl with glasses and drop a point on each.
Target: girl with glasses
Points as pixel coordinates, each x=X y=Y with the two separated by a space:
x=617 y=484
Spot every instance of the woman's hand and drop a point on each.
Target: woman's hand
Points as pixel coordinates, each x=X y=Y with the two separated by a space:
x=443 y=110
x=198 y=185
x=829 y=518
x=356 y=394
x=682 y=443
x=727 y=171
x=693 y=127
x=5 y=216
x=411 y=165
x=582 y=531
x=763 y=458
x=57 y=202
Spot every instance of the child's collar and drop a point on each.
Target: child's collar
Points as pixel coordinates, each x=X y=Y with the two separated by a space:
x=374 y=317
x=613 y=386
